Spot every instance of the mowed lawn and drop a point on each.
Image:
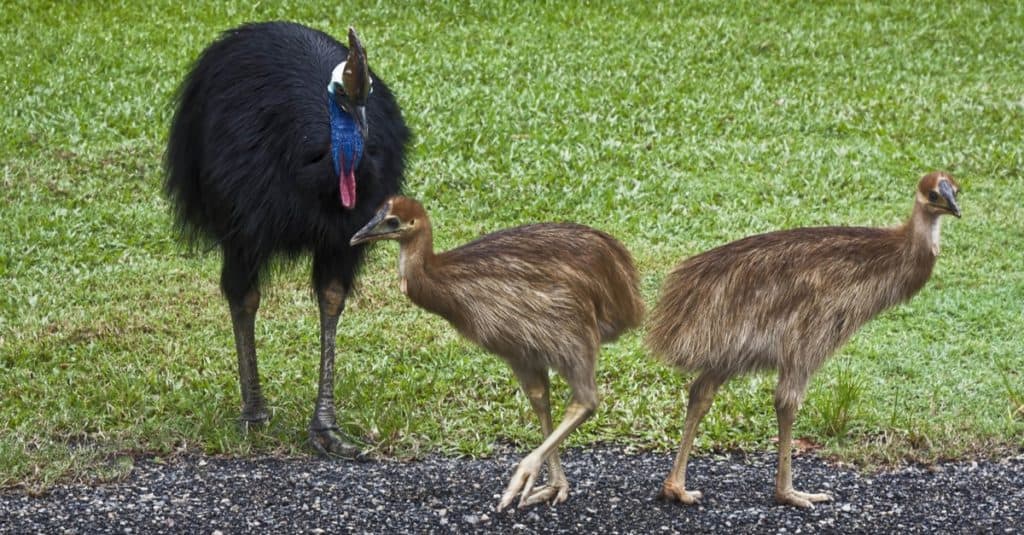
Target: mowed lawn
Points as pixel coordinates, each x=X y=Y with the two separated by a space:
x=675 y=128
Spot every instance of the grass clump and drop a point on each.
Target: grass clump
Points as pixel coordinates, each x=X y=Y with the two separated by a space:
x=834 y=410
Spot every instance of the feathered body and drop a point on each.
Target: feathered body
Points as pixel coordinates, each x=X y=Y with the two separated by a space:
x=283 y=143
x=249 y=153
x=539 y=296
x=546 y=293
x=761 y=301
x=787 y=300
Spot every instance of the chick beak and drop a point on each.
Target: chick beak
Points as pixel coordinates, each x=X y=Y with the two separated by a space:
x=947 y=193
x=370 y=231
x=359 y=115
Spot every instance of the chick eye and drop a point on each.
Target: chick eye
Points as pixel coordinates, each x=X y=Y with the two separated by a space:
x=391 y=222
x=932 y=196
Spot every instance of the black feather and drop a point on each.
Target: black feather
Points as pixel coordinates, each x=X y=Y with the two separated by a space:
x=248 y=157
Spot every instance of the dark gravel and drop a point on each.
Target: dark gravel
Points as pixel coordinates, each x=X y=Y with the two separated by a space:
x=612 y=492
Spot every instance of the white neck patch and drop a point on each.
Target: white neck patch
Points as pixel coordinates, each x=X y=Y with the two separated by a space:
x=336 y=76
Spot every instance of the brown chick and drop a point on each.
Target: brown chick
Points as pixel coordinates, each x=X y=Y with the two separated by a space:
x=787 y=300
x=539 y=296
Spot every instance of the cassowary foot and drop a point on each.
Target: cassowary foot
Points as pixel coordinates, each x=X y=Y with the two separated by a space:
x=253 y=418
x=334 y=444
x=522 y=482
x=800 y=499
x=673 y=493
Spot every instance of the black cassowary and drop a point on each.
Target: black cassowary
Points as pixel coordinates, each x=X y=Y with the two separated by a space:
x=284 y=143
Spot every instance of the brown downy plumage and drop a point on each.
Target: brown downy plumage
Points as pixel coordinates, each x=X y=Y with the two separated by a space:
x=539 y=296
x=787 y=300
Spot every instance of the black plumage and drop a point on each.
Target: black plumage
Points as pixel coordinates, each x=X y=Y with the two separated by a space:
x=249 y=169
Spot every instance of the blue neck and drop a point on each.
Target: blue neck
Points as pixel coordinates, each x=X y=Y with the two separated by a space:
x=346 y=141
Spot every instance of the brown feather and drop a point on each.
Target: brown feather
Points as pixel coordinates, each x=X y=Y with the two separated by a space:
x=543 y=295
x=788 y=298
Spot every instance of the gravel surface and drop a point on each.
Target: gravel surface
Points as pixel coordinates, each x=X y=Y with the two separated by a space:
x=612 y=492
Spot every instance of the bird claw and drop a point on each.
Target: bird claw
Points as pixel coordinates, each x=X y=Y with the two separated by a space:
x=333 y=443
x=252 y=420
x=673 y=493
x=521 y=483
x=551 y=493
x=800 y=499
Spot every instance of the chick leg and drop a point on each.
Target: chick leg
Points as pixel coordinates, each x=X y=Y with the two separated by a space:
x=240 y=288
x=581 y=407
x=788 y=396
x=702 y=394
x=536 y=386
x=324 y=434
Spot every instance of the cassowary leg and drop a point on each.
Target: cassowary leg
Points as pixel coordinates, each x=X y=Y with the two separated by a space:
x=324 y=434
x=536 y=386
x=788 y=396
x=702 y=394
x=581 y=407
x=243 y=297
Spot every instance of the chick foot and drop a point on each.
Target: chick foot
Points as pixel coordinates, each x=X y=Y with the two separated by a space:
x=553 y=493
x=522 y=482
x=673 y=493
x=800 y=499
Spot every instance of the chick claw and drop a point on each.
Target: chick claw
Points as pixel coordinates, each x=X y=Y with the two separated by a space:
x=522 y=482
x=800 y=499
x=551 y=493
x=673 y=493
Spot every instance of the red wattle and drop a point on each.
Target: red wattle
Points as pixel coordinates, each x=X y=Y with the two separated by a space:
x=347 y=186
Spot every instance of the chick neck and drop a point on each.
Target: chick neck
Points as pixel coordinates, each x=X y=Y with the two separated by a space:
x=414 y=252
x=923 y=228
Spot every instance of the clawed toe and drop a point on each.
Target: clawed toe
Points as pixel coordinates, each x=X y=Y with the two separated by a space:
x=253 y=422
x=522 y=483
x=332 y=443
x=673 y=493
x=801 y=499
x=553 y=494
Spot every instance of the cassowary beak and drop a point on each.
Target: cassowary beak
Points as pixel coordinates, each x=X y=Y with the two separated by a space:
x=379 y=227
x=359 y=115
x=946 y=190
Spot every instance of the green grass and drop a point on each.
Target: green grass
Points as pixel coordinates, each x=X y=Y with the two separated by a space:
x=675 y=128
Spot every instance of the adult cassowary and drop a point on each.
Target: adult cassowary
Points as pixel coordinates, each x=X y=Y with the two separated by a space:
x=284 y=143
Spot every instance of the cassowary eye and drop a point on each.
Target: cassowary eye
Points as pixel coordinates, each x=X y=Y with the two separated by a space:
x=932 y=196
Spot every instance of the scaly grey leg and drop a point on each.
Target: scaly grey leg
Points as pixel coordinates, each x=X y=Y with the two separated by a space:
x=324 y=434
